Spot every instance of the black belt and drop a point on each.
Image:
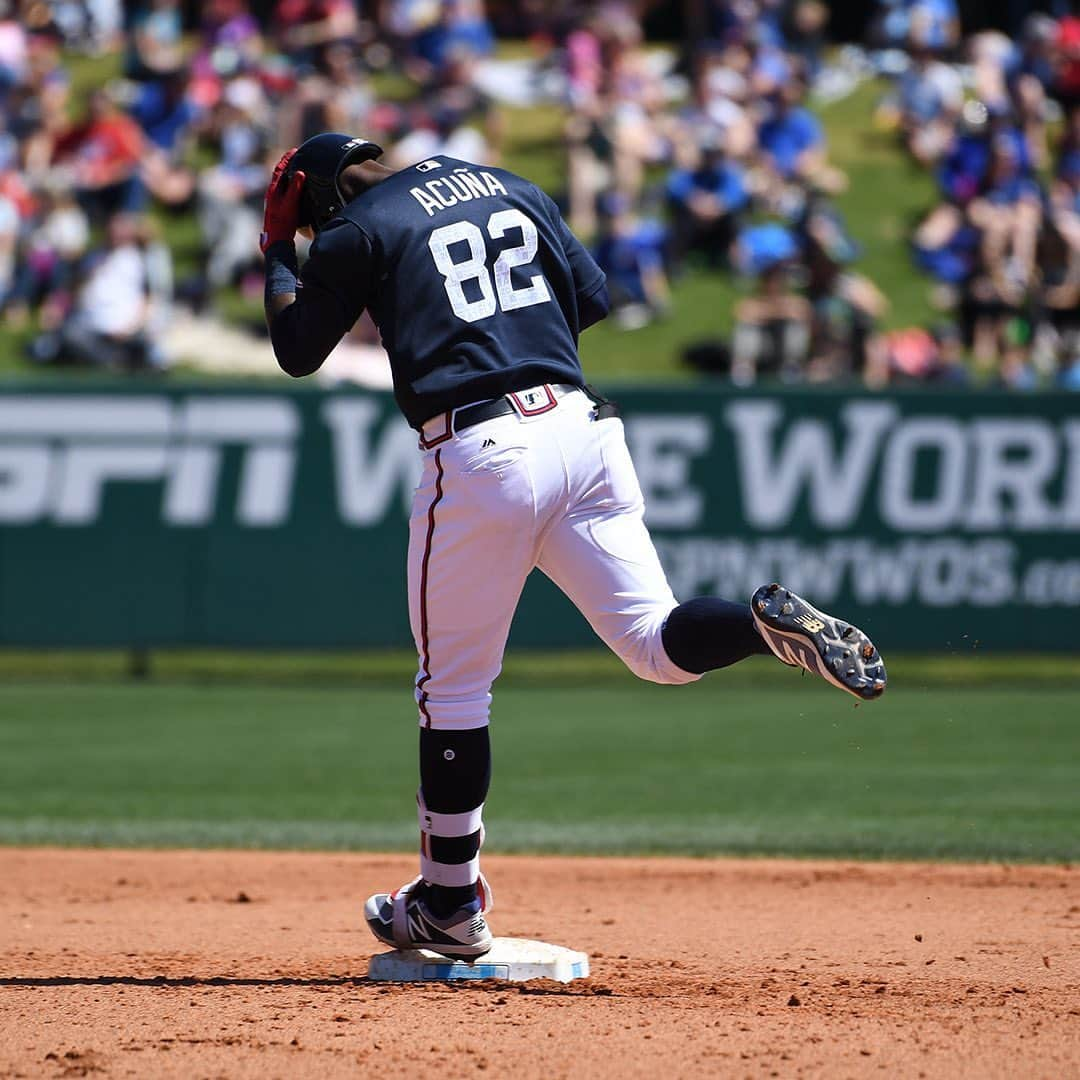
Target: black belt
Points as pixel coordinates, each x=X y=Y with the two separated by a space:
x=488 y=410
x=470 y=415
x=521 y=401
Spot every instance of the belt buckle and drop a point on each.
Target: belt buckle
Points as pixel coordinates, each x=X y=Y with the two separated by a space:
x=534 y=402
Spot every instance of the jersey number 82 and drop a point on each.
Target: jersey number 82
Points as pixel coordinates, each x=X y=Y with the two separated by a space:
x=474 y=268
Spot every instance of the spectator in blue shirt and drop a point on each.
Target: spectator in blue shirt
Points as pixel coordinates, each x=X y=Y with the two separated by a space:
x=630 y=250
x=462 y=27
x=792 y=136
x=938 y=21
x=930 y=98
x=164 y=111
x=1009 y=216
x=946 y=247
x=705 y=205
x=792 y=140
x=961 y=172
x=1009 y=213
x=964 y=169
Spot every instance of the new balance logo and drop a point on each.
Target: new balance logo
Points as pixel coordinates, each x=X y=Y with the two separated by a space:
x=796 y=655
x=815 y=626
x=420 y=929
x=486 y=443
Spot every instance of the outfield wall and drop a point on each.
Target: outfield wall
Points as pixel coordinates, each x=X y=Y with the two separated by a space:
x=152 y=516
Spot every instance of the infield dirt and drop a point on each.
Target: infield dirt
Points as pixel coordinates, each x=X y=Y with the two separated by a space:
x=237 y=964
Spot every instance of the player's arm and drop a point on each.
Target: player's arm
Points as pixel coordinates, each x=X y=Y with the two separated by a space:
x=308 y=314
x=590 y=282
x=308 y=317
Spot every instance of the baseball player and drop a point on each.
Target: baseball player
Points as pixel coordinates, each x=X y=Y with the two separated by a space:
x=480 y=291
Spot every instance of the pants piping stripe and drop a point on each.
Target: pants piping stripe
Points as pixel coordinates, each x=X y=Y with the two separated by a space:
x=425 y=665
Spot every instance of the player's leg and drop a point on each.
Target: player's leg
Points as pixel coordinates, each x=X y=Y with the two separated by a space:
x=471 y=548
x=601 y=555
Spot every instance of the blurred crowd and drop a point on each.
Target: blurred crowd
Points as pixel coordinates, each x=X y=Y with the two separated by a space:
x=210 y=94
x=735 y=175
x=704 y=158
x=1002 y=242
x=720 y=163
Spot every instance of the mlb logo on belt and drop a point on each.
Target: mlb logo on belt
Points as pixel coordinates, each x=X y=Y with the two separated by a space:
x=534 y=402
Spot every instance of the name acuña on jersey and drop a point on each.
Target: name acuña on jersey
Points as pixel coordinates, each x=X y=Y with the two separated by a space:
x=461 y=185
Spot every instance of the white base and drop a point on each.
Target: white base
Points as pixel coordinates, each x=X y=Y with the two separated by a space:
x=509 y=959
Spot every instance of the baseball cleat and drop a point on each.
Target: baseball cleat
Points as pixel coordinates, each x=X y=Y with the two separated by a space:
x=402 y=920
x=802 y=636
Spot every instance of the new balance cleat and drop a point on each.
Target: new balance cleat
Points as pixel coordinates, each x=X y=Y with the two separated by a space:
x=403 y=920
x=802 y=636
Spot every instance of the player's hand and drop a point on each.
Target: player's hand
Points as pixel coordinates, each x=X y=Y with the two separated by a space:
x=281 y=208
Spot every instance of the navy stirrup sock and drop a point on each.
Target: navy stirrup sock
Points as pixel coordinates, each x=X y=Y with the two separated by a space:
x=707 y=633
x=455 y=771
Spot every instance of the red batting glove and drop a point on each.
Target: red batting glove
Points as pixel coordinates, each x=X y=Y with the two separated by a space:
x=281 y=208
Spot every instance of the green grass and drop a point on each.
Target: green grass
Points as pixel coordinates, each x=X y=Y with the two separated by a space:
x=756 y=760
x=524 y=668
x=885 y=194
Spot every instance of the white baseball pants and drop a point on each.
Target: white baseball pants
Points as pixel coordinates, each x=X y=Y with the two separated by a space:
x=556 y=491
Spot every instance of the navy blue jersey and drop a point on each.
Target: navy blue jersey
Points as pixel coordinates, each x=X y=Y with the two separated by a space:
x=470 y=273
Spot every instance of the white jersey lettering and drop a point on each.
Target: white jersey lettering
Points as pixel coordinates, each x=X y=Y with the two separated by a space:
x=429 y=204
x=462 y=186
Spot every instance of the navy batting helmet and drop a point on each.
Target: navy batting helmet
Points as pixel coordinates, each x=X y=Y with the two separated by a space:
x=321 y=160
